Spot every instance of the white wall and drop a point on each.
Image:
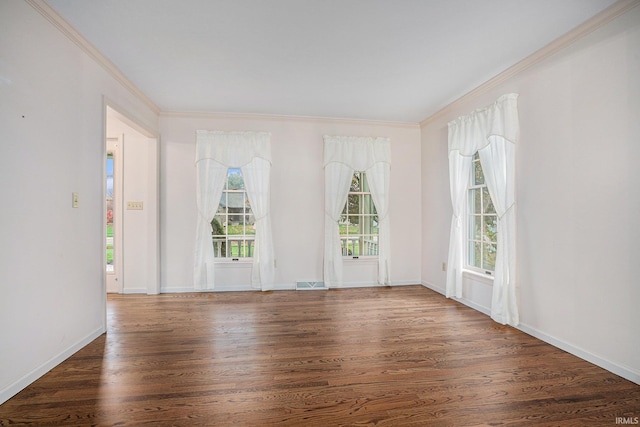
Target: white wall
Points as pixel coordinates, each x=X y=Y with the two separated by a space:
x=52 y=296
x=296 y=200
x=577 y=197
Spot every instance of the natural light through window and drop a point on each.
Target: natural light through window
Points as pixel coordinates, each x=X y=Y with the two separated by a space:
x=109 y=201
x=483 y=223
x=233 y=227
x=359 y=220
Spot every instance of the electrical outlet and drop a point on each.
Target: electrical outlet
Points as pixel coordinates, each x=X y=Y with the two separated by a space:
x=134 y=206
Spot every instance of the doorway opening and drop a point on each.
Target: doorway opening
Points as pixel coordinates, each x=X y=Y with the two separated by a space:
x=131 y=207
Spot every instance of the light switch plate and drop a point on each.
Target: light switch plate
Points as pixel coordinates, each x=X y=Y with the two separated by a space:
x=134 y=205
x=75 y=200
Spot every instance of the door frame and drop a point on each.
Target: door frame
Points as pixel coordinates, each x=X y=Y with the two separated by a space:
x=112 y=111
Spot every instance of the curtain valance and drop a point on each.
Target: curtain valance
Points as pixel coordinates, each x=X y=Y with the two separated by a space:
x=472 y=132
x=232 y=149
x=358 y=152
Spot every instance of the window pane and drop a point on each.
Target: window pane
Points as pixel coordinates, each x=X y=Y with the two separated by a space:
x=488 y=203
x=350 y=246
x=354 y=203
x=355 y=247
x=478 y=177
x=475 y=201
x=355 y=182
x=343 y=246
x=490 y=228
x=343 y=225
x=217 y=225
x=365 y=183
x=475 y=254
x=489 y=256
x=475 y=227
x=235 y=180
x=370 y=246
x=250 y=224
x=222 y=208
x=367 y=204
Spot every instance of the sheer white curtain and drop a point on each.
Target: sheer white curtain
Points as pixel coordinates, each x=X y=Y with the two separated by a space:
x=343 y=155
x=492 y=132
x=378 y=177
x=256 y=180
x=216 y=152
x=337 y=181
x=211 y=177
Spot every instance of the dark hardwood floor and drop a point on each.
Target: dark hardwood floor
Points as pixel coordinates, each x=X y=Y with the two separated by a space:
x=359 y=357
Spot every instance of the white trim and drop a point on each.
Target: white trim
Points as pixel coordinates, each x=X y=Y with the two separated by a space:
x=131 y=291
x=615 y=368
x=283 y=117
x=609 y=14
x=405 y=283
x=620 y=370
x=468 y=303
x=15 y=388
x=482 y=309
x=346 y=285
x=132 y=120
x=360 y=260
x=42 y=7
x=282 y=287
x=485 y=279
x=441 y=291
x=228 y=262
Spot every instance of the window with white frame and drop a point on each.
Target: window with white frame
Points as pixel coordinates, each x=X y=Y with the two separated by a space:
x=359 y=220
x=233 y=226
x=482 y=223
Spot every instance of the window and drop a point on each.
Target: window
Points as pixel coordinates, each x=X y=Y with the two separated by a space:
x=359 y=220
x=233 y=226
x=483 y=223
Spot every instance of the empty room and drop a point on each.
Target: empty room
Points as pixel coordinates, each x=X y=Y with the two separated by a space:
x=309 y=212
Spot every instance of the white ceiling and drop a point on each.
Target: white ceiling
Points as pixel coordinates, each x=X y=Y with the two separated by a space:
x=394 y=60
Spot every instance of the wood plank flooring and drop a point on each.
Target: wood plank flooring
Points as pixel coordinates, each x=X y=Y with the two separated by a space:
x=403 y=356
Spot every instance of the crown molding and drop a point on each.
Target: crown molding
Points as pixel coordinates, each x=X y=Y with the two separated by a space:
x=283 y=117
x=43 y=7
x=609 y=14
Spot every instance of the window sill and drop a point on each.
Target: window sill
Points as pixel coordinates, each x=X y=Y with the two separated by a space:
x=360 y=260
x=476 y=275
x=229 y=262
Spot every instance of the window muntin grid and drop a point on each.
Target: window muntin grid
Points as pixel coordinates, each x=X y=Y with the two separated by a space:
x=359 y=220
x=482 y=223
x=233 y=226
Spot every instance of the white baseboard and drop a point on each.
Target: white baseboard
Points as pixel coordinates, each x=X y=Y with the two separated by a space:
x=622 y=371
x=433 y=287
x=612 y=367
x=135 y=291
x=405 y=283
x=15 y=388
x=280 y=287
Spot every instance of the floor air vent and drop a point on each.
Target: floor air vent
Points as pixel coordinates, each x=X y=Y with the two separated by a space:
x=306 y=286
